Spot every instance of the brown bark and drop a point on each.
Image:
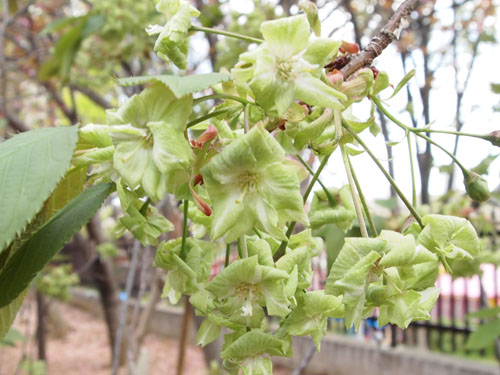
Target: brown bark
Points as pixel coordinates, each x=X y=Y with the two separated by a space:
x=186 y=320
x=383 y=38
x=103 y=277
x=41 y=329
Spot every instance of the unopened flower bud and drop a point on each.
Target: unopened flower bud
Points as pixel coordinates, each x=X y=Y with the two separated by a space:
x=351 y=48
x=357 y=87
x=476 y=186
x=494 y=138
x=207 y=135
x=311 y=11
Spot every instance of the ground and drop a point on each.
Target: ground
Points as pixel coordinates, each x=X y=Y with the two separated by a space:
x=84 y=349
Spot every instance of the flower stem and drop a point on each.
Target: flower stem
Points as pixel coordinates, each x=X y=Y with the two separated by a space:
x=242 y=247
x=445 y=263
x=415 y=131
x=363 y=200
x=412 y=169
x=220 y=96
x=311 y=172
x=315 y=177
x=440 y=131
x=206 y=117
x=184 y=230
x=228 y=254
x=230 y=34
x=389 y=178
x=246 y=119
x=355 y=197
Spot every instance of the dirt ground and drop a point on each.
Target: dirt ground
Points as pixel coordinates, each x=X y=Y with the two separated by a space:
x=84 y=349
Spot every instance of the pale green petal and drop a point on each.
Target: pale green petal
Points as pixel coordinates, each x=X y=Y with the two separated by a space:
x=271 y=92
x=317 y=302
x=96 y=135
x=401 y=309
x=404 y=250
x=228 y=213
x=241 y=270
x=257 y=366
x=263 y=251
x=281 y=188
x=450 y=236
x=276 y=299
x=132 y=112
x=313 y=91
x=95 y=156
x=126 y=133
x=251 y=344
x=321 y=51
x=173 y=42
x=130 y=160
x=162 y=105
x=266 y=216
x=207 y=333
x=353 y=251
x=171 y=151
x=286 y=36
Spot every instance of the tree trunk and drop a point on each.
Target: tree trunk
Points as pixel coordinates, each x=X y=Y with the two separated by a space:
x=103 y=277
x=41 y=329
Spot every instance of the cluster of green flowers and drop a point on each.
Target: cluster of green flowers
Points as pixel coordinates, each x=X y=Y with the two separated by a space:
x=246 y=190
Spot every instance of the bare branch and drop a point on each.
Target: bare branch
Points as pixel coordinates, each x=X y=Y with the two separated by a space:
x=92 y=95
x=12 y=119
x=385 y=36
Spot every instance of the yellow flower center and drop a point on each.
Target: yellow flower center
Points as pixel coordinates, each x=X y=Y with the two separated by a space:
x=284 y=69
x=246 y=290
x=249 y=182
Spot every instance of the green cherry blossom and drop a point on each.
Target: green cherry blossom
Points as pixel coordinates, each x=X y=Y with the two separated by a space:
x=151 y=150
x=288 y=66
x=251 y=184
x=173 y=41
x=245 y=286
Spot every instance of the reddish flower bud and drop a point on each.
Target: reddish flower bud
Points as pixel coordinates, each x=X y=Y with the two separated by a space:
x=494 y=138
x=200 y=203
x=198 y=179
x=351 y=48
x=207 y=135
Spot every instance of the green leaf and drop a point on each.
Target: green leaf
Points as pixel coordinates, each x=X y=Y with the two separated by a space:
x=68 y=188
x=43 y=245
x=359 y=126
x=11 y=338
x=8 y=313
x=490 y=312
x=403 y=82
x=31 y=165
x=495 y=87
x=484 y=336
x=180 y=86
x=66 y=49
x=484 y=165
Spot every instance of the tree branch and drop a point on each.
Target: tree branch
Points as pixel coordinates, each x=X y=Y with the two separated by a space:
x=92 y=95
x=385 y=36
x=12 y=119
